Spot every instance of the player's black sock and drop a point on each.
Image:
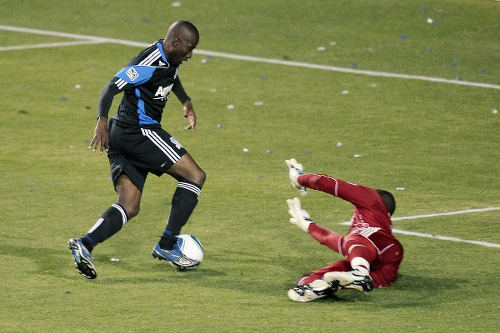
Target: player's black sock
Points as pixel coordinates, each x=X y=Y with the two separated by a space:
x=111 y=221
x=167 y=240
x=183 y=203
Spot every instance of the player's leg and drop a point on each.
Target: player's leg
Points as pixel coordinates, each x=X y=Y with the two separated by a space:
x=118 y=214
x=190 y=181
x=110 y=222
x=128 y=182
x=161 y=153
x=359 y=252
x=312 y=286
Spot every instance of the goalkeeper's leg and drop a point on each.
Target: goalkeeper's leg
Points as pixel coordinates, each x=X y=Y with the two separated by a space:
x=311 y=291
x=359 y=253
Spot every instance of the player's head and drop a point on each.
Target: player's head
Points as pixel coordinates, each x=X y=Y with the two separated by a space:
x=389 y=201
x=180 y=41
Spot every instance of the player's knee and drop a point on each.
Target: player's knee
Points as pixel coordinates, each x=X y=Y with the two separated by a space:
x=202 y=176
x=133 y=211
x=198 y=177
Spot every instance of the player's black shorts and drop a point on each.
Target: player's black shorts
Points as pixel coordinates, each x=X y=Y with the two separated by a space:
x=135 y=151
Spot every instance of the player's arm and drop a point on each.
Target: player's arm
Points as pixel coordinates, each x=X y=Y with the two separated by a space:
x=127 y=78
x=301 y=218
x=188 y=109
x=358 y=195
x=100 y=141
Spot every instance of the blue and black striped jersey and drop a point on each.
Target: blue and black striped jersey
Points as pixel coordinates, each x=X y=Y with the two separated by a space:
x=146 y=83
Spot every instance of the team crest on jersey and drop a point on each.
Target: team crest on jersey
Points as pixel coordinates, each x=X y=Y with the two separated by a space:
x=132 y=74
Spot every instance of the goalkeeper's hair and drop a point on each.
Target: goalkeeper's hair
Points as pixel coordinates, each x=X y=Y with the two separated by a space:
x=389 y=201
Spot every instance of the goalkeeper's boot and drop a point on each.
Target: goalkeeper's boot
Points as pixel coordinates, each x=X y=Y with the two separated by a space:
x=175 y=257
x=295 y=169
x=351 y=280
x=312 y=291
x=83 y=259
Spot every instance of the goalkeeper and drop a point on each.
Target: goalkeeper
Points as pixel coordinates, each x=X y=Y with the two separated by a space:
x=372 y=254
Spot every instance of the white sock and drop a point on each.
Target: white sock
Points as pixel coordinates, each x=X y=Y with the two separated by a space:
x=361 y=265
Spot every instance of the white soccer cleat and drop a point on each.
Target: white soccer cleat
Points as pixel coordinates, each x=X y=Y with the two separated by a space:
x=310 y=292
x=295 y=169
x=351 y=280
x=299 y=216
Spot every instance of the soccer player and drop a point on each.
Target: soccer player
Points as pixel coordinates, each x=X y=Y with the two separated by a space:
x=372 y=254
x=137 y=145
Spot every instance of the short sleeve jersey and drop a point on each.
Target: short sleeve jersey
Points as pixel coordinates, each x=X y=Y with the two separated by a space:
x=146 y=83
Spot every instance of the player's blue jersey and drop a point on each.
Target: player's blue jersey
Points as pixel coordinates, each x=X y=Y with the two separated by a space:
x=146 y=83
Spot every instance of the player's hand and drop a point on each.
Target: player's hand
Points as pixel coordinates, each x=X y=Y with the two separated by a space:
x=295 y=169
x=100 y=141
x=299 y=217
x=190 y=115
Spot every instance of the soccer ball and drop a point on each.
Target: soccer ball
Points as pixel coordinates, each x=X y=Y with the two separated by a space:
x=191 y=247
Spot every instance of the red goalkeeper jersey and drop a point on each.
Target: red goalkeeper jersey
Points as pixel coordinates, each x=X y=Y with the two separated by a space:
x=370 y=219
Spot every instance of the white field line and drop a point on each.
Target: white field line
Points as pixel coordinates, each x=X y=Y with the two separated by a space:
x=453 y=239
x=258 y=59
x=44 y=45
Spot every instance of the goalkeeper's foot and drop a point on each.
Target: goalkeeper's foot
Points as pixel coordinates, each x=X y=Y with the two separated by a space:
x=351 y=280
x=295 y=169
x=314 y=290
x=82 y=257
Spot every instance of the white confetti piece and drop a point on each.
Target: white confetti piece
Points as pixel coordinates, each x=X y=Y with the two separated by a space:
x=339 y=144
x=245 y=150
x=176 y=4
x=230 y=106
x=345 y=92
x=494 y=111
x=332 y=43
x=77 y=86
x=213 y=90
x=321 y=48
x=400 y=188
x=430 y=21
x=114 y=259
x=258 y=103
x=357 y=156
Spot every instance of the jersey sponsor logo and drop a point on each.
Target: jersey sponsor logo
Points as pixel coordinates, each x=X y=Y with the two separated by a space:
x=161 y=63
x=162 y=93
x=132 y=74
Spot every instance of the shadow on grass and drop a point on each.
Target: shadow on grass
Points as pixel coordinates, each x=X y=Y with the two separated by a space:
x=243 y=272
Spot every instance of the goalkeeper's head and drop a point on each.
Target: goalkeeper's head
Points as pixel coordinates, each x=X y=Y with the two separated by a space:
x=388 y=200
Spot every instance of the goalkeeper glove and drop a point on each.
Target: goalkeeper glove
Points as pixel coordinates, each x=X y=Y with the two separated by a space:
x=299 y=217
x=295 y=169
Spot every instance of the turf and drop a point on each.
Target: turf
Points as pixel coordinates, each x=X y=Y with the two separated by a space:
x=437 y=141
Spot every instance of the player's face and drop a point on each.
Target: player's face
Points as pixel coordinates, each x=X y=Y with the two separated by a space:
x=180 y=51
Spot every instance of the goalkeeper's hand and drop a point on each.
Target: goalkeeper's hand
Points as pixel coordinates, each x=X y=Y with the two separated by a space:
x=295 y=169
x=299 y=217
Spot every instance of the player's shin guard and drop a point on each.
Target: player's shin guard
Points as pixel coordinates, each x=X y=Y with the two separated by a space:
x=183 y=203
x=111 y=221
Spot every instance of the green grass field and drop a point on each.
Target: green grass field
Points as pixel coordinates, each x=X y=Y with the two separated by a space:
x=438 y=141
